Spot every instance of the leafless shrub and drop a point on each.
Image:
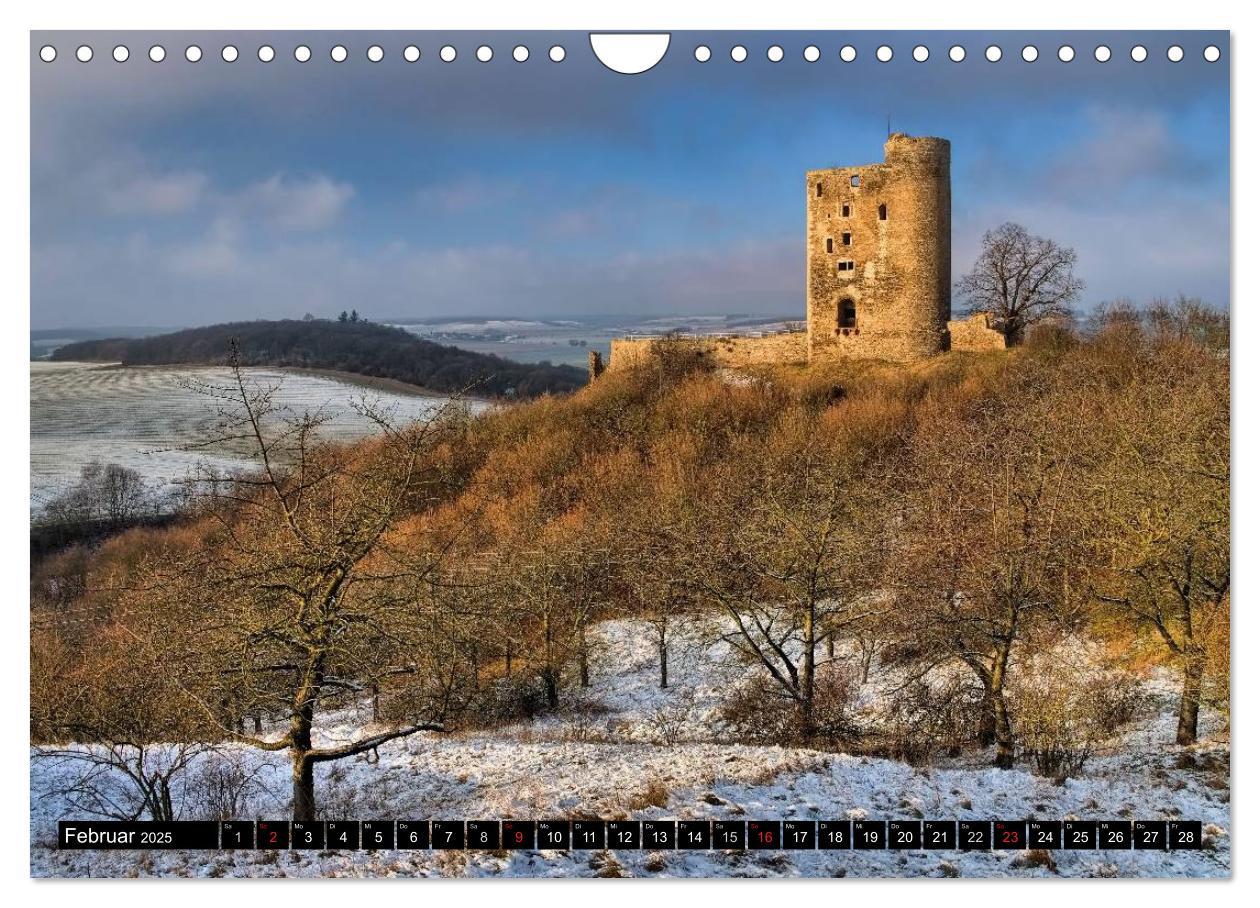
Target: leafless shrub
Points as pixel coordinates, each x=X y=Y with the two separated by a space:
x=224 y=785
x=674 y=721
x=757 y=713
x=122 y=780
x=1063 y=717
x=512 y=699
x=926 y=718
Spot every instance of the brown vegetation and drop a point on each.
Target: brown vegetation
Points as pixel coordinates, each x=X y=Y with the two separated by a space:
x=966 y=512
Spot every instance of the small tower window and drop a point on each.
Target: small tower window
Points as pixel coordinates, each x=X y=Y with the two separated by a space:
x=844 y=266
x=818 y=189
x=844 y=211
x=855 y=180
x=846 y=239
x=847 y=314
x=829 y=245
x=883 y=212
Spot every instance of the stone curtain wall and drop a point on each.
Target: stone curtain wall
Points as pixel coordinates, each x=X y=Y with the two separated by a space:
x=975 y=334
x=734 y=350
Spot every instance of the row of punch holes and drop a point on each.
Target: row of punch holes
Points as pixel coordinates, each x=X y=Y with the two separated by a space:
x=520 y=53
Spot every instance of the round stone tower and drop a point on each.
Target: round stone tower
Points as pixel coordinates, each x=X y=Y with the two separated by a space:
x=878 y=254
x=919 y=242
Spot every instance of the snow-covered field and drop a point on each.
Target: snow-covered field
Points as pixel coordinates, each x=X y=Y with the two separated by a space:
x=146 y=417
x=607 y=760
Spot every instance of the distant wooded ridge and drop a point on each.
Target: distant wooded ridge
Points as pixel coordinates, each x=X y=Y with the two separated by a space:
x=364 y=348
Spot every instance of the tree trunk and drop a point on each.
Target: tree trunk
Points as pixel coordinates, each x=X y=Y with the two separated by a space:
x=1191 y=695
x=1004 y=735
x=584 y=659
x=662 y=652
x=258 y=723
x=553 y=688
x=300 y=726
x=549 y=665
x=507 y=660
x=376 y=702
x=303 y=786
x=808 y=671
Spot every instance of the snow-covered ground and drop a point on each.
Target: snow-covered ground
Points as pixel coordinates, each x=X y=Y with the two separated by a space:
x=608 y=760
x=149 y=418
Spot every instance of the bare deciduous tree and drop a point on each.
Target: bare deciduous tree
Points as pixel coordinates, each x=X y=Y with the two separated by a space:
x=1020 y=280
x=788 y=547
x=309 y=591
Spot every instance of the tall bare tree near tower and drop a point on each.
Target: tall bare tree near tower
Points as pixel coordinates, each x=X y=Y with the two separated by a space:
x=1020 y=279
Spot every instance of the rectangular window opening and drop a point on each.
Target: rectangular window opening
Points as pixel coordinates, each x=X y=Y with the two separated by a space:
x=829 y=244
x=846 y=239
x=845 y=211
x=883 y=212
x=818 y=189
x=848 y=314
x=855 y=180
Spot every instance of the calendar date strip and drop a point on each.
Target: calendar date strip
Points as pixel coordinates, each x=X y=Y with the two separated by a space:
x=652 y=835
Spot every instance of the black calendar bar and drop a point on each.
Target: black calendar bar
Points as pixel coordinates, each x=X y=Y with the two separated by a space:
x=583 y=835
x=98 y=835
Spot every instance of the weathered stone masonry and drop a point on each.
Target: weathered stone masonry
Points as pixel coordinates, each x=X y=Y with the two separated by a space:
x=877 y=260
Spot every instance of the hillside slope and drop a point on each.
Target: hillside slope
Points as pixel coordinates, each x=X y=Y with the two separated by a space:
x=379 y=351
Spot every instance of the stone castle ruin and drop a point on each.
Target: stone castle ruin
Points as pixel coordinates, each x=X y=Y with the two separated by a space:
x=877 y=265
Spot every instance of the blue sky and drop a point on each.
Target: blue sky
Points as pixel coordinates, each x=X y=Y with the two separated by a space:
x=175 y=193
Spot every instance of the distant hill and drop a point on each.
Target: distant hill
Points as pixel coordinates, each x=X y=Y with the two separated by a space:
x=364 y=348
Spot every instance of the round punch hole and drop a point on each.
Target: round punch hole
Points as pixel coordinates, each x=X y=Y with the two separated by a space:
x=812 y=54
x=993 y=53
x=958 y=53
x=1211 y=53
x=920 y=53
x=1029 y=53
x=520 y=53
x=157 y=53
x=447 y=53
x=121 y=53
x=1102 y=53
x=739 y=53
x=84 y=53
x=229 y=53
x=1067 y=53
x=411 y=53
x=556 y=53
x=266 y=53
x=1175 y=54
x=375 y=53
x=774 y=53
x=339 y=53
x=48 y=53
x=192 y=53
x=301 y=53
x=1138 y=53
x=703 y=54
x=848 y=53
x=883 y=53
x=485 y=53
